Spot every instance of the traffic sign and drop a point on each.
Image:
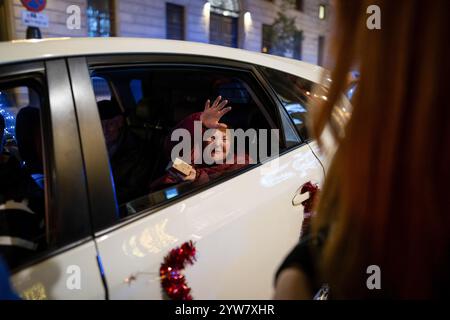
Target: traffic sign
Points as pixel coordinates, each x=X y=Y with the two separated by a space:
x=34 y=5
x=34 y=19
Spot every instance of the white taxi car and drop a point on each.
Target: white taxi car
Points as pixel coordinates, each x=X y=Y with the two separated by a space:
x=94 y=247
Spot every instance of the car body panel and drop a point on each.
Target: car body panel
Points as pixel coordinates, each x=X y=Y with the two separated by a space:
x=70 y=275
x=52 y=274
x=39 y=49
x=231 y=224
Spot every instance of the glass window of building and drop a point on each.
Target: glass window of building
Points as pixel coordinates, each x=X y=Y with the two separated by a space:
x=321 y=50
x=266 y=38
x=223 y=23
x=298 y=41
x=100 y=18
x=174 y=21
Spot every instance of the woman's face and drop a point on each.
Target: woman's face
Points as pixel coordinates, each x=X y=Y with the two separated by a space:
x=220 y=144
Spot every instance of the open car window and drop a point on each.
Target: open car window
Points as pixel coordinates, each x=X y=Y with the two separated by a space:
x=22 y=178
x=296 y=95
x=147 y=104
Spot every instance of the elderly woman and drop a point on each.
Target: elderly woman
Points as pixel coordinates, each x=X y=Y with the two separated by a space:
x=218 y=141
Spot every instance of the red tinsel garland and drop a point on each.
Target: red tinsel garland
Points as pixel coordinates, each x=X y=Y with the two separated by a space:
x=308 y=204
x=173 y=281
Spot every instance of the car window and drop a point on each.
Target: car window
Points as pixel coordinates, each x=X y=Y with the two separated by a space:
x=136 y=89
x=149 y=104
x=22 y=175
x=101 y=88
x=296 y=95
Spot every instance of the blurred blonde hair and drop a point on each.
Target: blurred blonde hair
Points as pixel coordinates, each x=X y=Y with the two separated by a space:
x=385 y=200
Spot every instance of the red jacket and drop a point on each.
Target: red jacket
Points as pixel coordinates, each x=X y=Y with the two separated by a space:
x=204 y=172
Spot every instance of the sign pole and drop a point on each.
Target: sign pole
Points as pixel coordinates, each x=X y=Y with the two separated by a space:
x=33 y=19
x=33 y=33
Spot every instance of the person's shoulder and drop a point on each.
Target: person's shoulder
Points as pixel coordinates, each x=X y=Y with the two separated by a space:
x=194 y=116
x=189 y=119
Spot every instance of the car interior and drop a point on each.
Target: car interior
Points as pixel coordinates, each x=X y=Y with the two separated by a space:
x=154 y=101
x=22 y=199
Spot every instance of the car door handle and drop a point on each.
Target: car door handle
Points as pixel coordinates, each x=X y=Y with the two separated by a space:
x=305 y=192
x=299 y=197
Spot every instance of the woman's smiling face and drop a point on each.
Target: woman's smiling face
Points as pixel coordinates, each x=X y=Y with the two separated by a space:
x=219 y=144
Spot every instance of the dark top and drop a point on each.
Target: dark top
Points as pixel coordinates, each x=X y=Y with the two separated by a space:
x=305 y=256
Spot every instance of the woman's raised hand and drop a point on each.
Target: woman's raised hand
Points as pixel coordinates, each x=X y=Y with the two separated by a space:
x=211 y=115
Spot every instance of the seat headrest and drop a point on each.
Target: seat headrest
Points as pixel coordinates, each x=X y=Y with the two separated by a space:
x=148 y=110
x=108 y=109
x=143 y=110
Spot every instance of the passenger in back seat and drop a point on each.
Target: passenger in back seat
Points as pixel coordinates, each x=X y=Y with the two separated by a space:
x=22 y=228
x=218 y=143
x=130 y=166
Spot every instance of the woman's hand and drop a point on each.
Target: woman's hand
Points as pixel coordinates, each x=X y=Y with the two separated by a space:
x=191 y=176
x=211 y=115
x=179 y=177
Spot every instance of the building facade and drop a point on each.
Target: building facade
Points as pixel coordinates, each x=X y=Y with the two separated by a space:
x=244 y=24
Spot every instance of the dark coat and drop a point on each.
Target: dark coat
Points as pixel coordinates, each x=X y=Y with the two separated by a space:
x=130 y=168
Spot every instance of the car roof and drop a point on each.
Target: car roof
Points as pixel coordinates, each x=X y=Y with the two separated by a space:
x=39 y=49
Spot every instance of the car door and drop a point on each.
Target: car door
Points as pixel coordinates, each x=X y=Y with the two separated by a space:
x=242 y=225
x=65 y=265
